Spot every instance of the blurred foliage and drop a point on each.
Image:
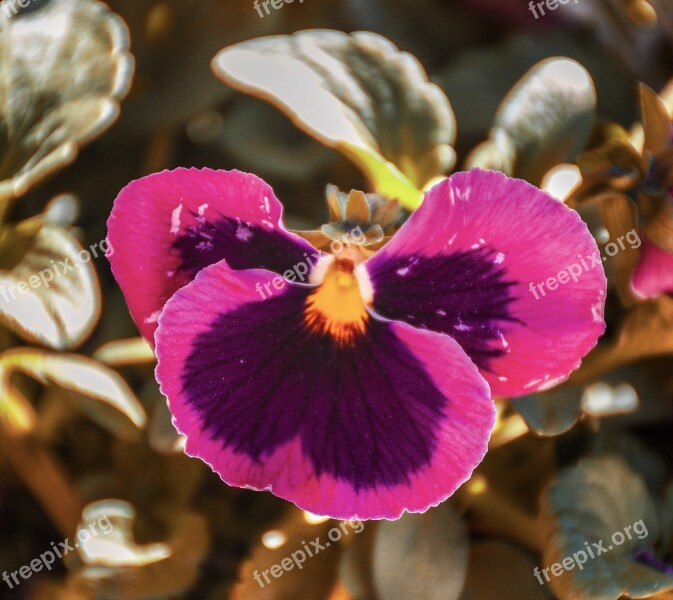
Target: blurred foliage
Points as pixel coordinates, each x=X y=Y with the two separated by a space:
x=424 y=85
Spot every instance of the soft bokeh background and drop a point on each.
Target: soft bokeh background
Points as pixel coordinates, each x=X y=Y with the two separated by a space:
x=84 y=431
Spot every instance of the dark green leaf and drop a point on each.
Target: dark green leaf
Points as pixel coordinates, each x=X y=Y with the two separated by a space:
x=601 y=501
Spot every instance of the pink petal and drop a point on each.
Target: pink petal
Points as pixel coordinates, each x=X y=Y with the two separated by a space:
x=165 y=227
x=653 y=275
x=394 y=421
x=468 y=263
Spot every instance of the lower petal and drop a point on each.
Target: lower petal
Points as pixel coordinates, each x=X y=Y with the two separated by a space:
x=389 y=419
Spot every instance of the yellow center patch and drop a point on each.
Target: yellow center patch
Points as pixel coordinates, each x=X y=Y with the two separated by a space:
x=336 y=307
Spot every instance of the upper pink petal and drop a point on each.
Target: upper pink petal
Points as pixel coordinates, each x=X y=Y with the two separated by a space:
x=166 y=227
x=510 y=273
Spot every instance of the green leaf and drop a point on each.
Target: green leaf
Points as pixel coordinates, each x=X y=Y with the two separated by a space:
x=545 y=120
x=51 y=295
x=619 y=442
x=65 y=67
x=358 y=94
x=601 y=500
x=553 y=412
x=426 y=552
x=556 y=411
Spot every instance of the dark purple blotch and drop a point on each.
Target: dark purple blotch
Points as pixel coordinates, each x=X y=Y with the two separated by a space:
x=464 y=294
x=365 y=412
x=242 y=245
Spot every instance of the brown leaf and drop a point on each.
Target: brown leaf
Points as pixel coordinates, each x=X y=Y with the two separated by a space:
x=619 y=215
x=646 y=331
x=500 y=571
x=117 y=568
x=276 y=570
x=656 y=121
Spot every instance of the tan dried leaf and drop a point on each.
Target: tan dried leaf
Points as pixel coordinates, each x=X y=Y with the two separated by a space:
x=133 y=351
x=117 y=568
x=100 y=392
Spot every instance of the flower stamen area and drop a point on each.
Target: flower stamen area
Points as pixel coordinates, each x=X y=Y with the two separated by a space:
x=336 y=307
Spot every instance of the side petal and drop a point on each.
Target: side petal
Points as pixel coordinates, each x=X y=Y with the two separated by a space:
x=395 y=419
x=470 y=262
x=166 y=227
x=653 y=275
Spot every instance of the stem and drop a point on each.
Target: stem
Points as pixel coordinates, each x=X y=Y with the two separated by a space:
x=495 y=514
x=44 y=477
x=509 y=429
x=5 y=207
x=340 y=593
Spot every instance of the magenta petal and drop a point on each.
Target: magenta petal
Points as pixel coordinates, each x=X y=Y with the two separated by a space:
x=395 y=420
x=165 y=227
x=654 y=274
x=468 y=263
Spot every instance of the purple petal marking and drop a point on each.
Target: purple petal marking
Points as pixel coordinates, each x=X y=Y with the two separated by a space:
x=469 y=299
x=646 y=557
x=167 y=226
x=394 y=420
x=435 y=273
x=242 y=245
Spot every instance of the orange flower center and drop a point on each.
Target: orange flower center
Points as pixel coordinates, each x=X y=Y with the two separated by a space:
x=336 y=306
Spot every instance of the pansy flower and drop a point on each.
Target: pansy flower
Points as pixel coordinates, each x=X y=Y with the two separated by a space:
x=653 y=275
x=352 y=381
x=631 y=177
